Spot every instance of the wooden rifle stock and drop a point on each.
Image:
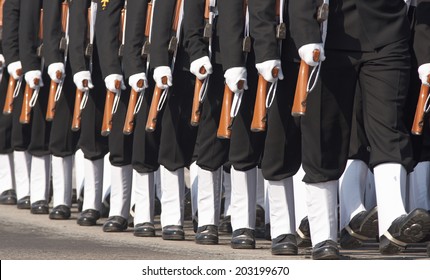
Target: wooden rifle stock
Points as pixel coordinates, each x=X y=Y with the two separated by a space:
x=50 y=111
x=196 y=109
x=259 y=119
x=299 y=104
x=8 y=104
x=151 y=122
x=129 y=117
x=76 y=120
x=25 y=116
x=107 y=114
x=226 y=121
x=148 y=20
x=417 y=126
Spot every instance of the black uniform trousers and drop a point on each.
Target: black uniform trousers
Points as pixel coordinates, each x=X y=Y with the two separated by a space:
x=145 y=144
x=63 y=141
x=211 y=151
x=282 y=146
x=178 y=137
x=91 y=142
x=5 y=120
x=246 y=147
x=383 y=77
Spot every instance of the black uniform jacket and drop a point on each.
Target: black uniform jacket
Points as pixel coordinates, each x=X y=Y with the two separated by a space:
x=134 y=37
x=10 y=40
x=359 y=25
x=422 y=32
x=78 y=34
x=107 y=36
x=29 y=41
x=52 y=31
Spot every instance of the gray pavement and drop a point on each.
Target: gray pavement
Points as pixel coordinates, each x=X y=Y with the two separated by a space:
x=25 y=236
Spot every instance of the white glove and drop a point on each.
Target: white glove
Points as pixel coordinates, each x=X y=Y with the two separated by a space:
x=233 y=76
x=134 y=79
x=424 y=72
x=13 y=67
x=306 y=53
x=110 y=82
x=2 y=61
x=52 y=71
x=79 y=78
x=197 y=64
x=265 y=69
x=30 y=76
x=159 y=73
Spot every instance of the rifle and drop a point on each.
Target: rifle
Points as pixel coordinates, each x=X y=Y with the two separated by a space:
x=417 y=126
x=77 y=111
x=53 y=88
x=197 y=102
x=172 y=48
x=226 y=121
x=111 y=96
x=129 y=117
x=11 y=88
x=134 y=96
x=107 y=114
x=259 y=120
x=196 y=109
x=299 y=104
x=151 y=122
x=25 y=116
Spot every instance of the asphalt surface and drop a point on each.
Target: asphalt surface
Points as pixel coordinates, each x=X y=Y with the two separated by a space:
x=25 y=236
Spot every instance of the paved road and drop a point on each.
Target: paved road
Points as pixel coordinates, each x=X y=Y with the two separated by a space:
x=34 y=237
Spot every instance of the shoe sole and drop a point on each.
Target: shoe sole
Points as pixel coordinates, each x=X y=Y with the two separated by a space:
x=147 y=234
x=113 y=230
x=207 y=242
x=39 y=212
x=285 y=251
x=243 y=246
x=369 y=228
x=415 y=229
x=86 y=223
x=173 y=237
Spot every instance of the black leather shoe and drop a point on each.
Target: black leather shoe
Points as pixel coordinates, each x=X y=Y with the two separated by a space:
x=8 y=197
x=326 y=250
x=285 y=244
x=405 y=229
x=40 y=207
x=60 y=212
x=243 y=238
x=362 y=227
x=303 y=234
x=225 y=225
x=144 y=230
x=173 y=233
x=207 y=235
x=115 y=224
x=24 y=203
x=88 y=217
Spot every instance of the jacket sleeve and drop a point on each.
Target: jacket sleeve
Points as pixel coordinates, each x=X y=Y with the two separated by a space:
x=161 y=31
x=194 y=24
x=262 y=21
x=10 y=40
x=107 y=32
x=231 y=24
x=134 y=37
x=29 y=22
x=422 y=32
x=304 y=26
x=78 y=27
x=52 y=32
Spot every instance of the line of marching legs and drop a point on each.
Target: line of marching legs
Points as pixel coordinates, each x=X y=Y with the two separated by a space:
x=240 y=203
